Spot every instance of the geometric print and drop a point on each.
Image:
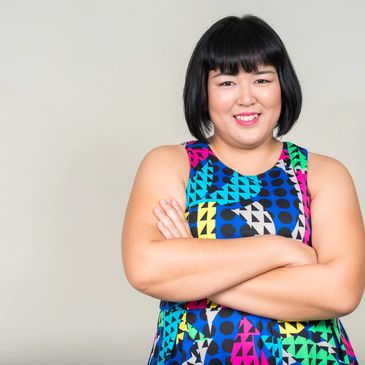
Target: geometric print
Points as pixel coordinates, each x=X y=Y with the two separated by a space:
x=219 y=184
x=222 y=203
x=206 y=219
x=257 y=218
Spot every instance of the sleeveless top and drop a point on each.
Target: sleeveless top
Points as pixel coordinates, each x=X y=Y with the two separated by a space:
x=222 y=203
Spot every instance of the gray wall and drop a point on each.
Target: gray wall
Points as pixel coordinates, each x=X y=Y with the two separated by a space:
x=86 y=89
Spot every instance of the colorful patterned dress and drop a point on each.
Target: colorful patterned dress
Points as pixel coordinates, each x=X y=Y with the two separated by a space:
x=222 y=203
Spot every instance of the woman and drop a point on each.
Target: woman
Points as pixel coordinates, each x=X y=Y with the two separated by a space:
x=236 y=287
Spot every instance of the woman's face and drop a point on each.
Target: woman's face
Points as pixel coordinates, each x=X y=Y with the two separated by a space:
x=246 y=107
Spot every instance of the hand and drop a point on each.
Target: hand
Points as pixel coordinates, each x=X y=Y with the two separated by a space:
x=171 y=220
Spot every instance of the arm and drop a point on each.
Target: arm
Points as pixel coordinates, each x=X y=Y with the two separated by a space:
x=298 y=293
x=334 y=286
x=182 y=269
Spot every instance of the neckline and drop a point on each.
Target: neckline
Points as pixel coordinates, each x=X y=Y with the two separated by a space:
x=283 y=147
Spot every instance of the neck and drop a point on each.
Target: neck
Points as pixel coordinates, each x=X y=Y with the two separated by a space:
x=250 y=158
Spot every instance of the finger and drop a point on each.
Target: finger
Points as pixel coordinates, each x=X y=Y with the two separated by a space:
x=181 y=214
x=164 y=230
x=177 y=225
x=167 y=222
x=175 y=218
x=178 y=208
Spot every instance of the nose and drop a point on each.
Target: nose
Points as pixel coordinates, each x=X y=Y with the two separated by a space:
x=246 y=96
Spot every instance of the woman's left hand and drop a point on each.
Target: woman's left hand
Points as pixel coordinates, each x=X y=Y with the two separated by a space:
x=171 y=220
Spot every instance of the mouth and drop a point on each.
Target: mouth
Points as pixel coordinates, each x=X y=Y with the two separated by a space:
x=247 y=118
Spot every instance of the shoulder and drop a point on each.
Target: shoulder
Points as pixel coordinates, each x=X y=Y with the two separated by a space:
x=168 y=153
x=164 y=161
x=325 y=171
x=161 y=174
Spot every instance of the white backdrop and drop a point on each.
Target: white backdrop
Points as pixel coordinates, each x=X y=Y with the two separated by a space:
x=86 y=89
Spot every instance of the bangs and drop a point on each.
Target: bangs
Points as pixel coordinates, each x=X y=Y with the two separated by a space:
x=240 y=46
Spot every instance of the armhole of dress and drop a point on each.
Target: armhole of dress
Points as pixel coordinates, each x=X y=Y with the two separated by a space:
x=309 y=222
x=186 y=145
x=305 y=153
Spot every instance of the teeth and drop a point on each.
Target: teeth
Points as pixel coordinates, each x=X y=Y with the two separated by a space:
x=246 y=118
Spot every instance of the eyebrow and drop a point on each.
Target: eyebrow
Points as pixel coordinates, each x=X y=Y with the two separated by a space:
x=255 y=73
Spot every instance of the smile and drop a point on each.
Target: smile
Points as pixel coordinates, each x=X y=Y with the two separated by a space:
x=248 y=119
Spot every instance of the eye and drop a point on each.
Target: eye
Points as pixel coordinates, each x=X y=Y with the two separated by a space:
x=262 y=81
x=226 y=83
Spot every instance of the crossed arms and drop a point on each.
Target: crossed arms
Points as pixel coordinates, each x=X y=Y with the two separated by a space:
x=267 y=275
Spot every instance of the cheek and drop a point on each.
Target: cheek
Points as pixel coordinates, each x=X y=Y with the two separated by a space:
x=272 y=98
x=219 y=101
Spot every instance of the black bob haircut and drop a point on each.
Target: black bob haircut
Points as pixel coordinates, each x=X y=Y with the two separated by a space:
x=228 y=45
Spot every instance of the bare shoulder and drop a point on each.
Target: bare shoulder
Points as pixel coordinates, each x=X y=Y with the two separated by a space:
x=325 y=171
x=167 y=159
x=162 y=174
x=166 y=151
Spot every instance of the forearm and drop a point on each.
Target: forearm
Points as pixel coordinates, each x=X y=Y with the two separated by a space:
x=305 y=292
x=186 y=269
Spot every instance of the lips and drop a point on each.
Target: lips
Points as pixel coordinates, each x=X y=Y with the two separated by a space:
x=247 y=118
x=244 y=114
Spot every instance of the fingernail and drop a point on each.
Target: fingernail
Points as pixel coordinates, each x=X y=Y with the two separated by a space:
x=156 y=210
x=163 y=201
